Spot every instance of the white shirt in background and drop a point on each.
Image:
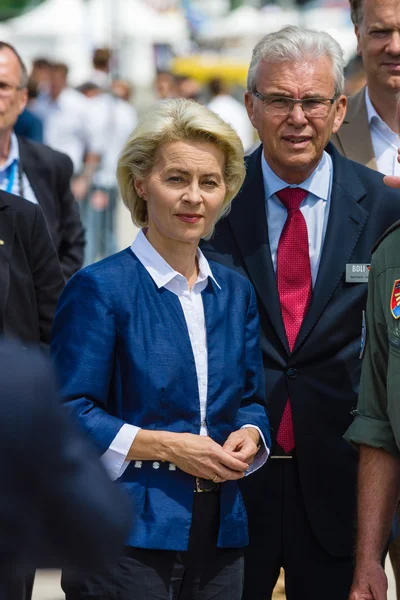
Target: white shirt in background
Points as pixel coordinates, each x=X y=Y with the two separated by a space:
x=384 y=141
x=191 y=301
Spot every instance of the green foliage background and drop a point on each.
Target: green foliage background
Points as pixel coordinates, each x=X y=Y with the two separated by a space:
x=13 y=8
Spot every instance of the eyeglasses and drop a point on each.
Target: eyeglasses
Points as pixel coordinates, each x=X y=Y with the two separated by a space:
x=6 y=89
x=283 y=105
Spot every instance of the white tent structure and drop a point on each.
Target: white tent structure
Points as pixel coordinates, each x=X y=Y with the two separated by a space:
x=68 y=30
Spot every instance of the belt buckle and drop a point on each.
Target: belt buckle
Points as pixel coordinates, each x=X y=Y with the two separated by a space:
x=204 y=485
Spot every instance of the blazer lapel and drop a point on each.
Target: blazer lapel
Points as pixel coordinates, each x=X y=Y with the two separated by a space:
x=7 y=235
x=345 y=224
x=249 y=224
x=36 y=174
x=354 y=133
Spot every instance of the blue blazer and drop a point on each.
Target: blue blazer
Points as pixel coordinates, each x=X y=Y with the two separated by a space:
x=123 y=354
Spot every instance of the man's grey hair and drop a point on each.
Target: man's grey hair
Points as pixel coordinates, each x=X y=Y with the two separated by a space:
x=297 y=44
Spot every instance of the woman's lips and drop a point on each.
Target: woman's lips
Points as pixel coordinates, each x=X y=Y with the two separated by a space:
x=189 y=218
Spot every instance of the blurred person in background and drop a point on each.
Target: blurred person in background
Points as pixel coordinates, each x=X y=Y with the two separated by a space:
x=34 y=171
x=115 y=118
x=40 y=74
x=188 y=88
x=101 y=71
x=166 y=373
x=69 y=127
x=57 y=505
x=369 y=134
x=165 y=85
x=232 y=111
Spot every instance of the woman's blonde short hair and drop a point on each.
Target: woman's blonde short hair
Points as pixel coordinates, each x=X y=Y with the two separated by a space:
x=171 y=121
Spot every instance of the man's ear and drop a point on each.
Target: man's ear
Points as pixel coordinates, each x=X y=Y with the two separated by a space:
x=341 y=106
x=249 y=104
x=23 y=99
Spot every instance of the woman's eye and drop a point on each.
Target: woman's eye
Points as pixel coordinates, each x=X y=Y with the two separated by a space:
x=175 y=178
x=211 y=183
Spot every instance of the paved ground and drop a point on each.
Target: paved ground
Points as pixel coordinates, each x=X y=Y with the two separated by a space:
x=47 y=587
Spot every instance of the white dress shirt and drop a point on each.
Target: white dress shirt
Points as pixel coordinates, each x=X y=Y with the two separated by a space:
x=191 y=301
x=10 y=170
x=315 y=208
x=68 y=124
x=384 y=141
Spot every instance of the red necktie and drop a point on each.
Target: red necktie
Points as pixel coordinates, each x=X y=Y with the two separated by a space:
x=293 y=272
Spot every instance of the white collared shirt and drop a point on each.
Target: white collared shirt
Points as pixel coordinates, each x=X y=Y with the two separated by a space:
x=191 y=301
x=315 y=208
x=5 y=173
x=384 y=141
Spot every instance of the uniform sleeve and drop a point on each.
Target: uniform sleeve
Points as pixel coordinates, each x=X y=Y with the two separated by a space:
x=371 y=425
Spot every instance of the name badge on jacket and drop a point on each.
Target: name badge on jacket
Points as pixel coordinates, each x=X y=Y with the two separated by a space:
x=357 y=273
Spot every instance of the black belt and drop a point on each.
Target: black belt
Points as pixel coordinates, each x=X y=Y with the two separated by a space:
x=205 y=485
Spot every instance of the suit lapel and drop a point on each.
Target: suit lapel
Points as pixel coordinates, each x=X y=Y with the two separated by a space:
x=7 y=235
x=37 y=175
x=354 y=133
x=249 y=224
x=345 y=224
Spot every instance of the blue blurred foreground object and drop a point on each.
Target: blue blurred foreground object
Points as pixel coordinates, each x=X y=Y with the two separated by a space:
x=57 y=505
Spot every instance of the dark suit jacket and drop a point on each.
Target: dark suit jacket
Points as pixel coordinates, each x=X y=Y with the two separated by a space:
x=353 y=139
x=49 y=172
x=30 y=274
x=322 y=373
x=57 y=505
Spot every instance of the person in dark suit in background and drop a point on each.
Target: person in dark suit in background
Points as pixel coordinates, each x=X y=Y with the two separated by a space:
x=30 y=275
x=35 y=171
x=57 y=505
x=301 y=230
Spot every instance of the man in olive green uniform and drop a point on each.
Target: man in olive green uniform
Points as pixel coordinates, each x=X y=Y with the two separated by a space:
x=376 y=427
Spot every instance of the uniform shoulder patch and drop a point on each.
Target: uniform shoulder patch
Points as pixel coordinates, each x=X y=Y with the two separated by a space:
x=395 y=225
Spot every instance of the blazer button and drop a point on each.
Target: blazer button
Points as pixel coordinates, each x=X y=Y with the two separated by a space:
x=291 y=373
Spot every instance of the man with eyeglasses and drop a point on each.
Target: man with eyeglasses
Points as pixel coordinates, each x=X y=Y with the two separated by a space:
x=35 y=171
x=301 y=230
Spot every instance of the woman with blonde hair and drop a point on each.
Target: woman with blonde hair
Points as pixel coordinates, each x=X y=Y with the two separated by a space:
x=159 y=358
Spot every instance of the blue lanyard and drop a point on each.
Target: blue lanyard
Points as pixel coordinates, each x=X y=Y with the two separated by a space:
x=10 y=184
